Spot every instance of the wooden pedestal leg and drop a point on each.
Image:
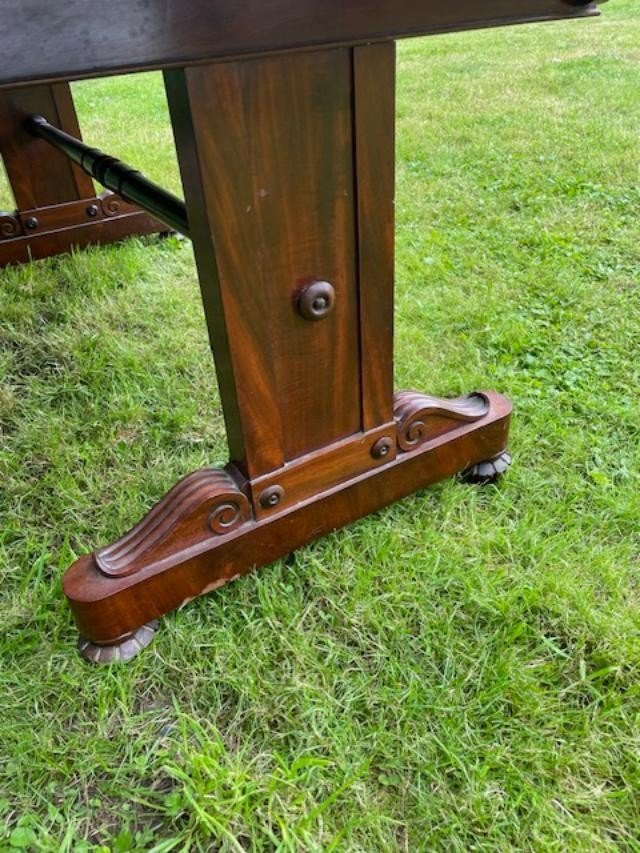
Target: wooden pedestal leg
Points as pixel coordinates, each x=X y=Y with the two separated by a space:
x=57 y=207
x=288 y=170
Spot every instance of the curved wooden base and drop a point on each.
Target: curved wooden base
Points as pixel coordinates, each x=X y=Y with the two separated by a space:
x=66 y=231
x=206 y=533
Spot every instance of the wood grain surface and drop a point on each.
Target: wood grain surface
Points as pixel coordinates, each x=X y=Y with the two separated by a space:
x=41 y=40
x=107 y=608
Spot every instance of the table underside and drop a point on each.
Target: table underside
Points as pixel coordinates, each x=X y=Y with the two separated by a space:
x=42 y=41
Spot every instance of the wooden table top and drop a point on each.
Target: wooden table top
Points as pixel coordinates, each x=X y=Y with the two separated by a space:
x=41 y=40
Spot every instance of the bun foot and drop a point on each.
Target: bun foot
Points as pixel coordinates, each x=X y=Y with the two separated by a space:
x=487 y=472
x=120 y=652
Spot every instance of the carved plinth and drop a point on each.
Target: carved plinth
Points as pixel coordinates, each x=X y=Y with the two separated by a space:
x=422 y=418
x=34 y=234
x=204 y=533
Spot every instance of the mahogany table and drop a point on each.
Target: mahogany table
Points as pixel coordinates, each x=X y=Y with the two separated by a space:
x=283 y=115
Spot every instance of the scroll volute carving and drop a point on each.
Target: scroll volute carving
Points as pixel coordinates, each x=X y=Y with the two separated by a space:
x=9 y=226
x=205 y=504
x=111 y=204
x=421 y=418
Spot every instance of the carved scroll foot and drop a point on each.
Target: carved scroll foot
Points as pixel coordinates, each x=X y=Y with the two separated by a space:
x=201 y=510
x=121 y=652
x=487 y=472
x=421 y=418
x=207 y=503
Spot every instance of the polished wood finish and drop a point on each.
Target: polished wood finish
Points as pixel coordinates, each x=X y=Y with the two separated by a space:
x=283 y=113
x=322 y=469
x=374 y=74
x=109 y=609
x=205 y=503
x=288 y=172
x=68 y=39
x=62 y=227
x=419 y=415
x=266 y=151
x=57 y=207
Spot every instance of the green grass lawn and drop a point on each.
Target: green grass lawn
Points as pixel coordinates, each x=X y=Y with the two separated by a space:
x=459 y=672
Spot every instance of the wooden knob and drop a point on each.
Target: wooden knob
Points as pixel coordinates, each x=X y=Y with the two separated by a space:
x=271 y=497
x=316 y=300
